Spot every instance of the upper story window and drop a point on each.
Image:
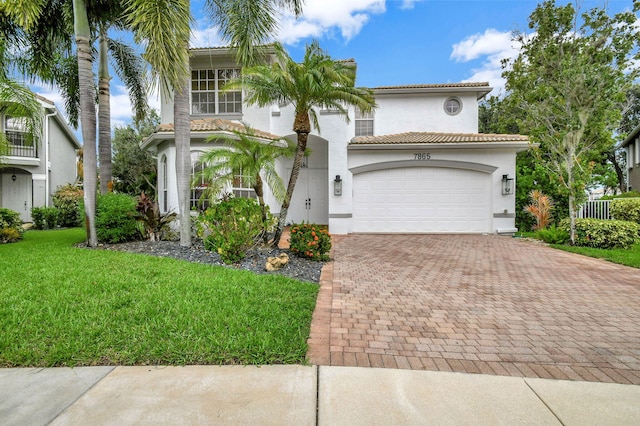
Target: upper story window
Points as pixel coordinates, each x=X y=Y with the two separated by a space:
x=364 y=123
x=206 y=96
x=453 y=106
x=16 y=131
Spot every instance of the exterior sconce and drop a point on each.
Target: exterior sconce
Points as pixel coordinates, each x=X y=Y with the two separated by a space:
x=507 y=185
x=337 y=186
x=14 y=177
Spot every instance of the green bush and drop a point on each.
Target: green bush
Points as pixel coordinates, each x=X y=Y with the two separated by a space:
x=310 y=241
x=44 y=217
x=68 y=200
x=155 y=226
x=628 y=194
x=625 y=209
x=232 y=226
x=553 y=235
x=116 y=218
x=605 y=234
x=10 y=226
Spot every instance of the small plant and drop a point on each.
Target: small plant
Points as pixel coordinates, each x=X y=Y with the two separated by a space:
x=310 y=241
x=44 y=217
x=10 y=226
x=68 y=199
x=540 y=208
x=552 y=235
x=116 y=218
x=155 y=225
x=232 y=226
x=605 y=234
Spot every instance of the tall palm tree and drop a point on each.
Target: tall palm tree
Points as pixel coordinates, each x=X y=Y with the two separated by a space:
x=318 y=82
x=249 y=158
x=246 y=24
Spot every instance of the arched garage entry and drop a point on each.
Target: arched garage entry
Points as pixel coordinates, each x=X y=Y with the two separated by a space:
x=428 y=197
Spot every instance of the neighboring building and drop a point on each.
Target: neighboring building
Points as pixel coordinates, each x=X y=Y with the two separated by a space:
x=31 y=171
x=632 y=147
x=416 y=164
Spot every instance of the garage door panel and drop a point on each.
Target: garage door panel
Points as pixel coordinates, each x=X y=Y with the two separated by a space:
x=421 y=200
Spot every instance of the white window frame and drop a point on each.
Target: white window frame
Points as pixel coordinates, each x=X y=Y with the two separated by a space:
x=209 y=83
x=367 y=118
x=448 y=102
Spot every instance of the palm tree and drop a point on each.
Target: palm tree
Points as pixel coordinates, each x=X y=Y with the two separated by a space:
x=164 y=26
x=248 y=158
x=318 y=82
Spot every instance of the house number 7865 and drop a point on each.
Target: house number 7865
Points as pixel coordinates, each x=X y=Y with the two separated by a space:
x=422 y=156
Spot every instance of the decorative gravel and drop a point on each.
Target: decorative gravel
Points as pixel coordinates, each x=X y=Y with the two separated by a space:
x=298 y=268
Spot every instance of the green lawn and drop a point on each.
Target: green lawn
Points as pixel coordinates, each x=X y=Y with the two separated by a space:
x=66 y=306
x=629 y=257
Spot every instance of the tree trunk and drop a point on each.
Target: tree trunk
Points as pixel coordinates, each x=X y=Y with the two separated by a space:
x=104 y=115
x=183 y=158
x=87 y=116
x=622 y=185
x=258 y=188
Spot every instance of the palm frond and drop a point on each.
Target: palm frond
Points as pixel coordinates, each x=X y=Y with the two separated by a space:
x=132 y=71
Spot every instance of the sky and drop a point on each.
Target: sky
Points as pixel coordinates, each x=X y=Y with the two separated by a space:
x=394 y=42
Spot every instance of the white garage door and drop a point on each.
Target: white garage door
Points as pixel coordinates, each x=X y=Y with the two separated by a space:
x=421 y=199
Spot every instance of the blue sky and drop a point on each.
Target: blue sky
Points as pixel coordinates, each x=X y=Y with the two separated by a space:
x=394 y=42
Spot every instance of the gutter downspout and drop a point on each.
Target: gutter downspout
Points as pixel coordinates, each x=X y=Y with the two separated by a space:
x=47 y=184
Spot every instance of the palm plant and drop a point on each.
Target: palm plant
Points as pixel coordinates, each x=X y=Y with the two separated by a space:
x=246 y=155
x=318 y=82
x=541 y=209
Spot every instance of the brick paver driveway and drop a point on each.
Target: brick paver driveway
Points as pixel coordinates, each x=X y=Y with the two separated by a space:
x=478 y=304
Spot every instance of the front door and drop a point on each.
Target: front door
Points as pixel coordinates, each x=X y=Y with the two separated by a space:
x=16 y=194
x=310 y=199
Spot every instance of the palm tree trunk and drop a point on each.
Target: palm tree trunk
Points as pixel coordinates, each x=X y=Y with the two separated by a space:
x=295 y=171
x=259 y=188
x=88 y=115
x=104 y=115
x=183 y=159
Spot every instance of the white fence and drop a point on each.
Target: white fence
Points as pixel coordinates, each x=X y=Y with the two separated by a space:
x=596 y=209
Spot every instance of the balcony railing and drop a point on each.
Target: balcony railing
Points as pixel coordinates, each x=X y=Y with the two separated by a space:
x=23 y=151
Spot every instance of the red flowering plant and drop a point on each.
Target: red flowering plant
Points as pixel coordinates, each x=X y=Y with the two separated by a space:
x=310 y=240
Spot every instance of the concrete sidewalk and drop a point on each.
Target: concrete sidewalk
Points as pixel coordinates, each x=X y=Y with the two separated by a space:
x=301 y=395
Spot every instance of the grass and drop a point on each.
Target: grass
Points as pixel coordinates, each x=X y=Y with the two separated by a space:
x=66 y=306
x=628 y=257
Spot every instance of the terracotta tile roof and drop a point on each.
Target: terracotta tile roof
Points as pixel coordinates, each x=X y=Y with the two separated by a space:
x=217 y=125
x=435 y=138
x=436 y=86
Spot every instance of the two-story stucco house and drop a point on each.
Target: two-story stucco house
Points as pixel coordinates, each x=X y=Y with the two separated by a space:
x=32 y=171
x=416 y=164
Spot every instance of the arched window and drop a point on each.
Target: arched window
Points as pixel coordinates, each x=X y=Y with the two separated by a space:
x=164 y=182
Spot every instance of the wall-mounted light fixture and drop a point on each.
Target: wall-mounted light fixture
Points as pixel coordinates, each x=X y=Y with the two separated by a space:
x=14 y=177
x=337 y=185
x=507 y=185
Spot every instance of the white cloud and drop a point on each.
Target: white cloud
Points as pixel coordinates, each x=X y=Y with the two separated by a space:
x=490 y=48
x=207 y=37
x=407 y=4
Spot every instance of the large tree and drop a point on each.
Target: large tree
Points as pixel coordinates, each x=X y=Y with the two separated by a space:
x=318 y=82
x=568 y=85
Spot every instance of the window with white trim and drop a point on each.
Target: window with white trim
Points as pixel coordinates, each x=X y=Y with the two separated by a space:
x=242 y=186
x=198 y=184
x=16 y=130
x=364 y=123
x=453 y=105
x=164 y=191
x=206 y=92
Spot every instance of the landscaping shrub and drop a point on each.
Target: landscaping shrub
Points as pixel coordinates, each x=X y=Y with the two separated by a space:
x=116 y=218
x=68 y=199
x=628 y=194
x=605 y=234
x=44 y=217
x=232 y=226
x=541 y=209
x=625 y=209
x=310 y=240
x=552 y=235
x=155 y=225
x=10 y=226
